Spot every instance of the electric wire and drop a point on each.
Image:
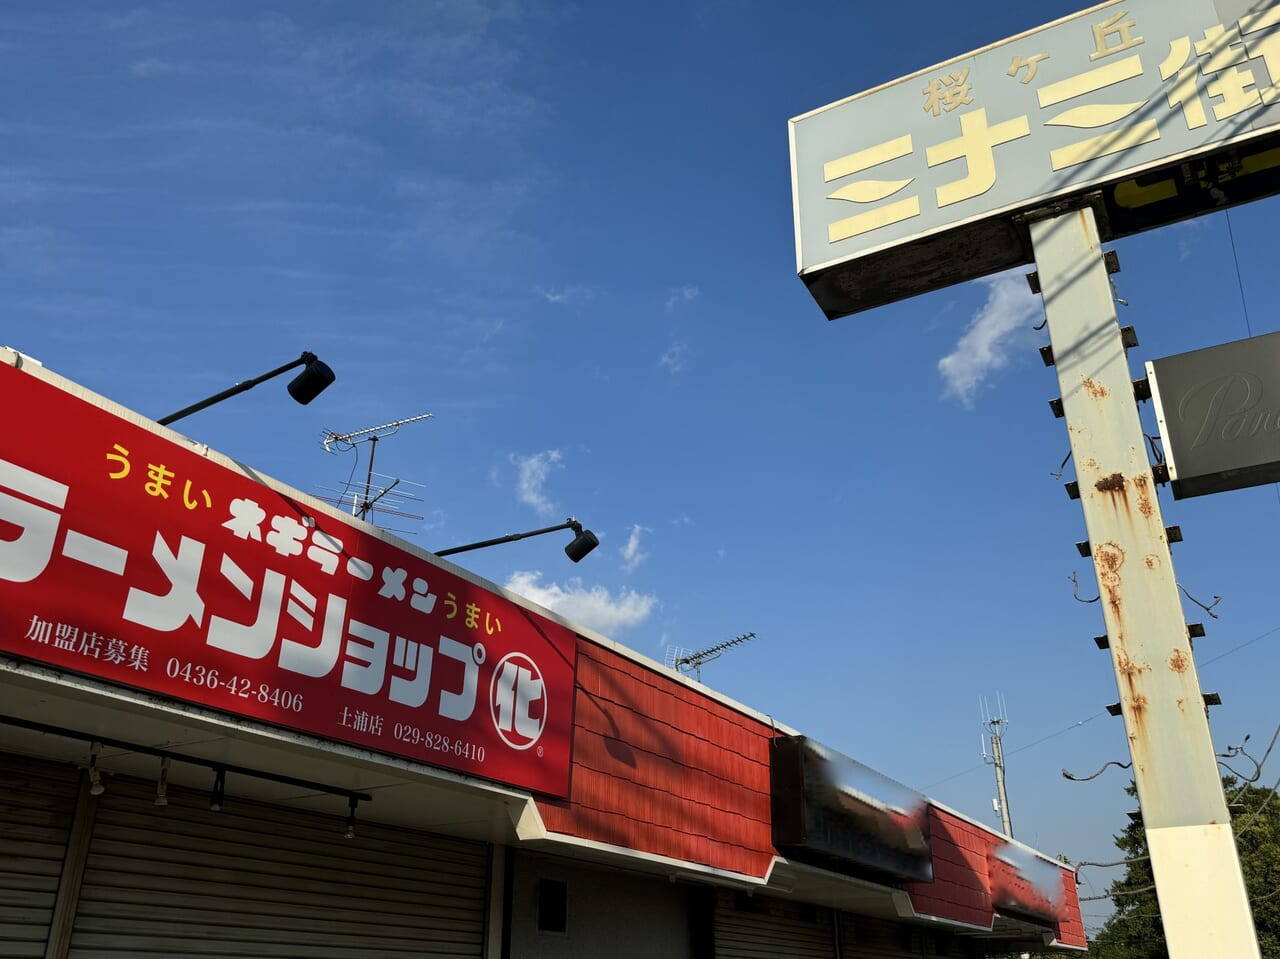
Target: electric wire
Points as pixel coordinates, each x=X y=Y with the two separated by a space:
x=1023 y=748
x=1075 y=584
x=1244 y=827
x=1124 y=892
x=1104 y=768
x=1244 y=305
x=1208 y=609
x=1236 y=649
x=1082 y=722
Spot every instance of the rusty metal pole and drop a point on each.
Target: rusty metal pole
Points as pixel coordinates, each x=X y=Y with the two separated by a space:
x=1203 y=903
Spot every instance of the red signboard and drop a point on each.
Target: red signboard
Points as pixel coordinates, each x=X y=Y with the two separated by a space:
x=127 y=556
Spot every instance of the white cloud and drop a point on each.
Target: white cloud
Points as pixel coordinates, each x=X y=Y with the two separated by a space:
x=984 y=347
x=532 y=473
x=152 y=67
x=675 y=359
x=1186 y=232
x=631 y=553
x=567 y=294
x=592 y=607
x=436 y=519
x=681 y=294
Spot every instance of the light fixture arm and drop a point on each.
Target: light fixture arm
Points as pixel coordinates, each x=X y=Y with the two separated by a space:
x=307 y=359
x=585 y=540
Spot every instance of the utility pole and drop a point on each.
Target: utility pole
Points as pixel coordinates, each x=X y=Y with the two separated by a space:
x=1203 y=903
x=995 y=723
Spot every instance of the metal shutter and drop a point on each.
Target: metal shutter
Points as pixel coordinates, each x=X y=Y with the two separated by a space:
x=37 y=803
x=264 y=881
x=866 y=938
x=757 y=927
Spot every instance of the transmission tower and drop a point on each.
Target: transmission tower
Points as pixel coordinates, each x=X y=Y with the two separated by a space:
x=995 y=723
x=693 y=661
x=348 y=441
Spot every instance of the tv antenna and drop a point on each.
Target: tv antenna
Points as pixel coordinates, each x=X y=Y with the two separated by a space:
x=348 y=441
x=391 y=499
x=995 y=724
x=675 y=654
x=683 y=661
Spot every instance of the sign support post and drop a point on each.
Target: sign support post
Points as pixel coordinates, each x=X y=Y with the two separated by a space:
x=1203 y=902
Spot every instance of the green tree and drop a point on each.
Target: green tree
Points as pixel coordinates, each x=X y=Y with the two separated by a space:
x=1135 y=932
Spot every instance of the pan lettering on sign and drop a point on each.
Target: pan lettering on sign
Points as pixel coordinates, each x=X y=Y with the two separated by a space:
x=159 y=479
x=170 y=610
x=39 y=631
x=1220 y=54
x=361 y=721
x=518 y=701
x=976 y=146
x=947 y=92
x=71 y=639
x=1114 y=35
x=1094 y=115
x=1030 y=64
x=870 y=191
x=1261 y=41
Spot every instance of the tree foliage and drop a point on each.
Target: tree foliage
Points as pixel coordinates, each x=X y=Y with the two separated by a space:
x=1134 y=930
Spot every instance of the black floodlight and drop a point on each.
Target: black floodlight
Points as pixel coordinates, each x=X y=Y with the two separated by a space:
x=584 y=541
x=305 y=387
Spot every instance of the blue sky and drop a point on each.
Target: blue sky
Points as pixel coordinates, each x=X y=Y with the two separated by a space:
x=565 y=231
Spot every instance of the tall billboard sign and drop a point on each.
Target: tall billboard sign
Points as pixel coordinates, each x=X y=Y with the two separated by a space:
x=1163 y=108
x=133 y=556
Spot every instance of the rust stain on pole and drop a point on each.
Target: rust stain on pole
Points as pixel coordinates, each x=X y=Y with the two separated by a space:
x=1110 y=484
x=1143 y=485
x=1096 y=390
x=1115 y=488
x=1179 y=661
x=1108 y=558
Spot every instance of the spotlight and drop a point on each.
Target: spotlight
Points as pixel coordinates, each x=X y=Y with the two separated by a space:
x=219 y=790
x=582 y=544
x=352 y=801
x=162 y=783
x=584 y=541
x=95 y=778
x=305 y=387
x=314 y=379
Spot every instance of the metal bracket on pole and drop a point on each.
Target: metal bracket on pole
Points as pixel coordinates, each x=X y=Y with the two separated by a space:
x=1203 y=903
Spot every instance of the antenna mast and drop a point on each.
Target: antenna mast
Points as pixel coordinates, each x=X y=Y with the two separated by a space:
x=694 y=661
x=348 y=441
x=995 y=723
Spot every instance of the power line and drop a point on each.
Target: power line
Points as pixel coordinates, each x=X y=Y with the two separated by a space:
x=1236 y=649
x=1244 y=305
x=1042 y=739
x=1066 y=729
